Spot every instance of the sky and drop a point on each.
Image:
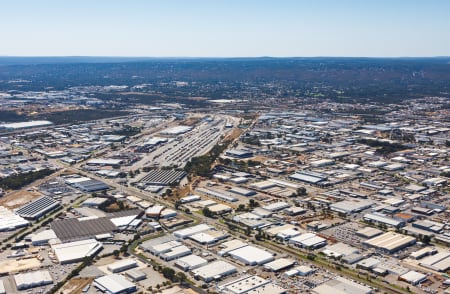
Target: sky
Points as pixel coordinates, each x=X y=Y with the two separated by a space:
x=225 y=28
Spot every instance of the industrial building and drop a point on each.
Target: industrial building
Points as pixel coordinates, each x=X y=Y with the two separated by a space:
x=379 y=218
x=308 y=240
x=369 y=232
x=37 y=208
x=390 y=242
x=42 y=237
x=250 y=284
x=215 y=270
x=185 y=233
x=190 y=262
x=175 y=252
x=251 y=255
x=26 y=125
x=177 y=130
x=230 y=246
x=114 y=284
x=279 y=264
x=122 y=265
x=136 y=275
x=220 y=195
x=341 y=285
x=76 y=251
x=162 y=177
x=239 y=153
x=82 y=228
x=86 y=184
x=413 y=277
x=32 y=279
x=438 y=262
x=351 y=206
x=10 y=221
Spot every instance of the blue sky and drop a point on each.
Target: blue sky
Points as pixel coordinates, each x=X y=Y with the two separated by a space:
x=225 y=28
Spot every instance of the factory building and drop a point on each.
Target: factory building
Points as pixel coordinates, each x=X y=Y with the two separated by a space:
x=114 y=284
x=214 y=271
x=390 y=242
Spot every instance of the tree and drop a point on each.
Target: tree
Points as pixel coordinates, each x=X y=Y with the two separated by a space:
x=241 y=207
x=301 y=191
x=252 y=203
x=116 y=253
x=206 y=212
x=168 y=273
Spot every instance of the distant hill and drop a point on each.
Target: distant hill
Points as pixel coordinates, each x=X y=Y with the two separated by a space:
x=346 y=78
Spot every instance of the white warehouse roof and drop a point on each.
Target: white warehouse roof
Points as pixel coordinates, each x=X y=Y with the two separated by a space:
x=114 y=284
x=251 y=255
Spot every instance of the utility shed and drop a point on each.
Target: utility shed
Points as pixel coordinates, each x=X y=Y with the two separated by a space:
x=32 y=279
x=114 y=284
x=214 y=271
x=251 y=255
x=341 y=286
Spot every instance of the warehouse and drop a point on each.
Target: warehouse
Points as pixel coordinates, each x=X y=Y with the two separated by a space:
x=32 y=279
x=190 y=262
x=2 y=287
x=114 y=284
x=42 y=237
x=122 y=265
x=26 y=125
x=162 y=177
x=369 y=232
x=277 y=206
x=239 y=153
x=175 y=252
x=214 y=271
x=209 y=237
x=220 y=195
x=351 y=206
x=439 y=262
x=37 y=208
x=341 y=285
x=308 y=240
x=339 y=249
x=184 y=233
x=390 y=242
x=76 y=251
x=10 y=221
x=230 y=246
x=279 y=264
x=308 y=177
x=136 y=275
x=82 y=228
x=220 y=209
x=90 y=186
x=105 y=162
x=383 y=219
x=190 y=198
x=160 y=248
x=251 y=255
x=94 y=202
x=242 y=191
x=251 y=284
x=413 y=277
x=177 y=130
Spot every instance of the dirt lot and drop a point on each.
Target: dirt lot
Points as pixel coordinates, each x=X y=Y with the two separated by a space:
x=12 y=265
x=18 y=198
x=75 y=285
